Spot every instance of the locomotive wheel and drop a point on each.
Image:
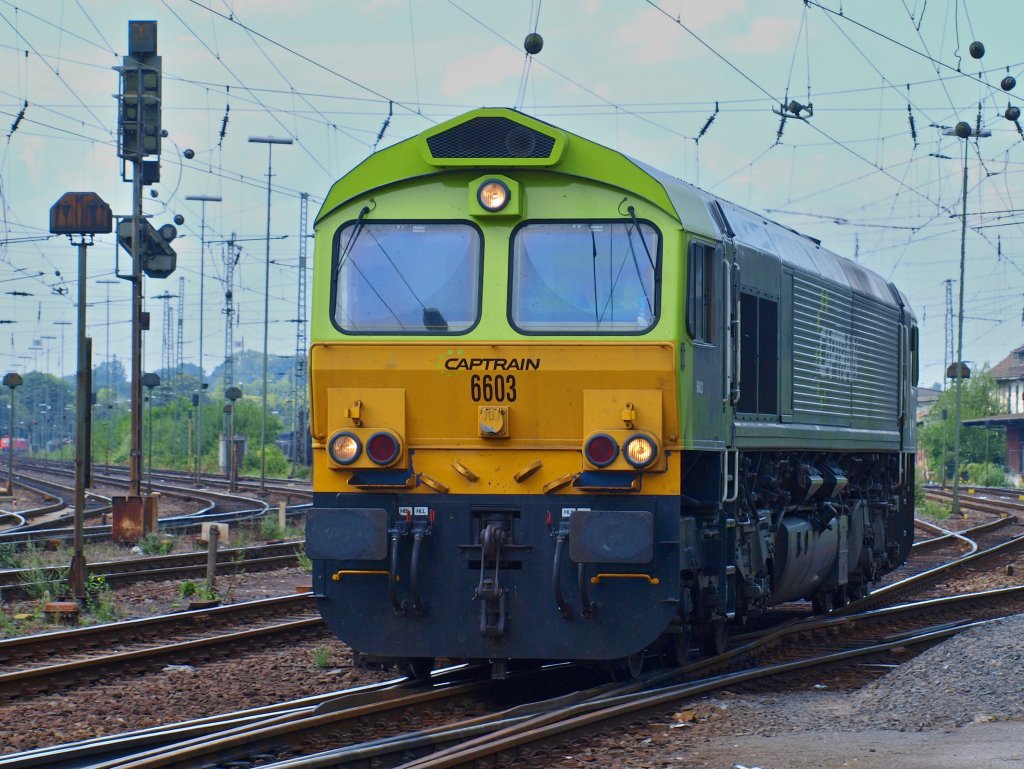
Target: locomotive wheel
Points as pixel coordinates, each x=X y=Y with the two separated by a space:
x=714 y=638
x=417 y=668
x=679 y=646
x=842 y=596
x=823 y=602
x=628 y=668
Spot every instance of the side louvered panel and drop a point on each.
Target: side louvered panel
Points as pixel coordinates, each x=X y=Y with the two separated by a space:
x=824 y=353
x=875 y=393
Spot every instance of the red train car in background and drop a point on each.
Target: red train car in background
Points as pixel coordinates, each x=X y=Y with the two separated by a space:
x=20 y=445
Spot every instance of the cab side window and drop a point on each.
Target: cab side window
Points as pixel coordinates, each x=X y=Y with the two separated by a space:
x=759 y=355
x=700 y=293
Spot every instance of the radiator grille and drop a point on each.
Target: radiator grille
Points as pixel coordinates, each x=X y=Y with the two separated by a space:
x=490 y=137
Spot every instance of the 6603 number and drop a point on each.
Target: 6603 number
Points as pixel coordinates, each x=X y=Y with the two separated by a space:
x=493 y=387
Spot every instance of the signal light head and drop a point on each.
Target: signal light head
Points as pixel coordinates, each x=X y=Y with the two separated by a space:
x=601 y=450
x=640 y=451
x=493 y=195
x=344 y=448
x=383 y=448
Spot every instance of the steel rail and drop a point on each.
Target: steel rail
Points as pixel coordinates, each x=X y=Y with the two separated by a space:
x=484 y=735
x=117 y=746
x=278 y=731
x=930 y=576
x=72 y=640
x=588 y=716
x=114 y=473
x=160 y=567
x=57 y=503
x=33 y=679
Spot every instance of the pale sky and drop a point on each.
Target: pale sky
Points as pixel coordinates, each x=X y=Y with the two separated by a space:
x=642 y=77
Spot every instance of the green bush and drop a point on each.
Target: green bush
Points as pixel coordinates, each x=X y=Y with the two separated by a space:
x=270 y=528
x=187 y=589
x=99 y=600
x=42 y=581
x=322 y=657
x=156 y=543
x=9 y=558
x=981 y=474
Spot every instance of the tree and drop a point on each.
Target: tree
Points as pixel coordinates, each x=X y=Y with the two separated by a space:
x=979 y=398
x=112 y=376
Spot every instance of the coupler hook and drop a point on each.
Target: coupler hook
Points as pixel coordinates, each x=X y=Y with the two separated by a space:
x=489 y=591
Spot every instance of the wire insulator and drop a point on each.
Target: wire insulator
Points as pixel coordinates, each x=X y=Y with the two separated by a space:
x=707 y=123
x=17 y=120
x=913 y=128
x=224 y=125
x=387 y=122
x=782 y=127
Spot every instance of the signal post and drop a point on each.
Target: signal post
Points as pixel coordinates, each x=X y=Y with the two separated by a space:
x=81 y=214
x=139 y=135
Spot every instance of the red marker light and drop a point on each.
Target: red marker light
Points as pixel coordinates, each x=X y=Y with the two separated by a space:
x=601 y=450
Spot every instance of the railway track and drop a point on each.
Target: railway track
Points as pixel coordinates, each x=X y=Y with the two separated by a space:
x=211 y=506
x=14 y=582
x=877 y=636
x=53 y=661
x=118 y=474
x=482 y=721
x=457 y=724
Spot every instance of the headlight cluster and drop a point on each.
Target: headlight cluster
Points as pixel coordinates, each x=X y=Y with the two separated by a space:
x=638 y=450
x=382 y=448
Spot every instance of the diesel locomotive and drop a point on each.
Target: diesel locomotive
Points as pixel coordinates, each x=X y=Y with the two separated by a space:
x=568 y=407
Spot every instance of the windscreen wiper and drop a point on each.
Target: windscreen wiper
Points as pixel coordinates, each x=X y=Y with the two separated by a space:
x=654 y=269
x=351 y=241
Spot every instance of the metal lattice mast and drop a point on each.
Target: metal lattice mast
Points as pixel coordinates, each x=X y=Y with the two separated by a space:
x=301 y=339
x=948 y=347
x=167 y=342
x=231 y=254
x=180 y=346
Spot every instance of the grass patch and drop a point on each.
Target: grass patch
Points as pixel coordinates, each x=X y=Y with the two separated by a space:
x=156 y=543
x=931 y=508
x=42 y=580
x=322 y=657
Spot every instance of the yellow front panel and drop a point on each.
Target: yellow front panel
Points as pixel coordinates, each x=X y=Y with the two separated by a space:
x=550 y=396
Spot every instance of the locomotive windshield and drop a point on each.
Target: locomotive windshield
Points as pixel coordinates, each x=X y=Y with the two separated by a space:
x=407 y=278
x=584 y=277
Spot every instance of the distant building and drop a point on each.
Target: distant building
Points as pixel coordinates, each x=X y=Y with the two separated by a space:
x=1009 y=376
x=926 y=398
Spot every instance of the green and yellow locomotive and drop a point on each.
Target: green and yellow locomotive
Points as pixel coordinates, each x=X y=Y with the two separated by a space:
x=566 y=406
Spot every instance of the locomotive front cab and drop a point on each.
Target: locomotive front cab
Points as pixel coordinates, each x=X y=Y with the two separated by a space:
x=495 y=418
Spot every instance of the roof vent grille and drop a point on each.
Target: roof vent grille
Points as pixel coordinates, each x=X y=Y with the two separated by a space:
x=491 y=137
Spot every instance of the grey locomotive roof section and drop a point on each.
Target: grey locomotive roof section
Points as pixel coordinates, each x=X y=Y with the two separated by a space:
x=795 y=250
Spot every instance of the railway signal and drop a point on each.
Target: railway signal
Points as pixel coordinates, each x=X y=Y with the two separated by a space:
x=81 y=215
x=139 y=118
x=12 y=380
x=158 y=259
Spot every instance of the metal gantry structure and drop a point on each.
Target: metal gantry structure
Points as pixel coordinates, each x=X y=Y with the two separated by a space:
x=179 y=347
x=299 y=394
x=231 y=255
x=167 y=341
